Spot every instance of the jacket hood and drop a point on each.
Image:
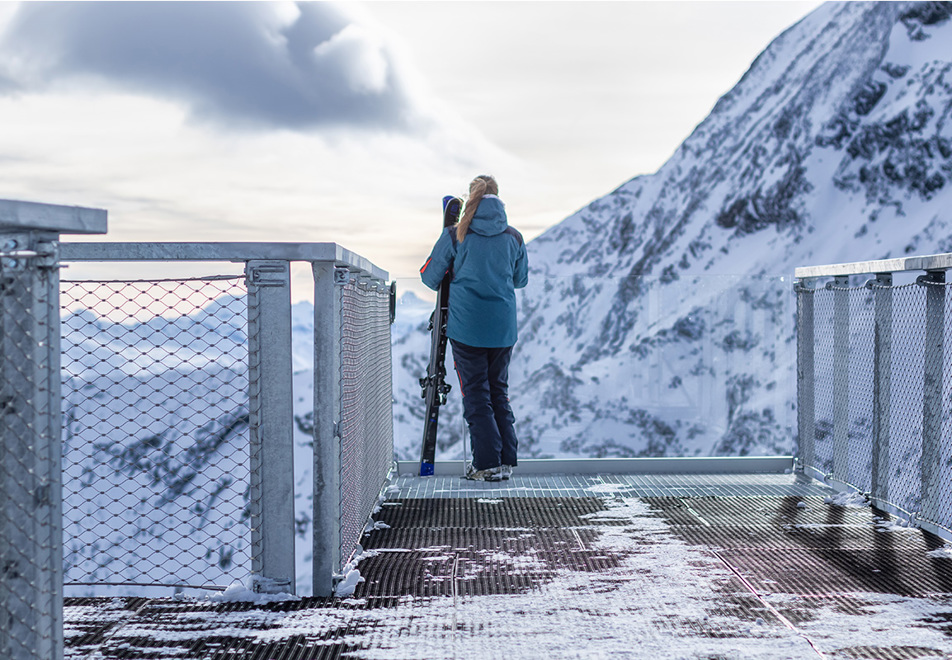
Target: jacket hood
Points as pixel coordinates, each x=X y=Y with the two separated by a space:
x=490 y=217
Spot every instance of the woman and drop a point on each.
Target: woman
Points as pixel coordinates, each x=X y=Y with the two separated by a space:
x=487 y=261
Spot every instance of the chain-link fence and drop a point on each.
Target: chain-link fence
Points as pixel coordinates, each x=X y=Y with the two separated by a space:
x=155 y=445
x=875 y=403
x=366 y=442
x=175 y=434
x=353 y=411
x=30 y=550
x=172 y=417
x=179 y=418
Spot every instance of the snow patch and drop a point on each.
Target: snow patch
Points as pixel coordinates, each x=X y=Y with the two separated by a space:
x=895 y=525
x=351 y=578
x=607 y=488
x=251 y=592
x=945 y=552
x=851 y=500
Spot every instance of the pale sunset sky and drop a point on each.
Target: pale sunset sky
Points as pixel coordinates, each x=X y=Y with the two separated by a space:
x=348 y=122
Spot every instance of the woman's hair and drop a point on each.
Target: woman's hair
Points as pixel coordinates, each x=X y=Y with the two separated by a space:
x=481 y=185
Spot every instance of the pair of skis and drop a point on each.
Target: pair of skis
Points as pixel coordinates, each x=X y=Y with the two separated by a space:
x=435 y=387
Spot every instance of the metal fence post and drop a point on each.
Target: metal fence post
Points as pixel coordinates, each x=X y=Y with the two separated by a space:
x=271 y=420
x=31 y=552
x=882 y=384
x=932 y=384
x=31 y=535
x=326 y=555
x=806 y=416
x=841 y=346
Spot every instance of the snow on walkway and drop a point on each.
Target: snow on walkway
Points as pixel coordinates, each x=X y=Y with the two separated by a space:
x=608 y=573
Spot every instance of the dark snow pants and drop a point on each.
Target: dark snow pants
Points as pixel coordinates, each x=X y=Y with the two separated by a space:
x=484 y=383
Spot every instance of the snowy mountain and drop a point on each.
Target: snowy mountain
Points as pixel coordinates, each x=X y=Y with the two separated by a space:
x=659 y=319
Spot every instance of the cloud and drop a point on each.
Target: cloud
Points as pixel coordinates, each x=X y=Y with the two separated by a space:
x=268 y=65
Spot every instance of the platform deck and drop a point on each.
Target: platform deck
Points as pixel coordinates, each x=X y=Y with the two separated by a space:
x=620 y=566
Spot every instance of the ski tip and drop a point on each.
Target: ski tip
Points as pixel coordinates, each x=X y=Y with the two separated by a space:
x=452 y=205
x=426 y=469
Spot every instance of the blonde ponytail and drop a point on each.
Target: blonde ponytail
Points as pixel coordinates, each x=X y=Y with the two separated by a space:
x=481 y=185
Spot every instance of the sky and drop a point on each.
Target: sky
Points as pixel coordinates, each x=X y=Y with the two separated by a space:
x=347 y=123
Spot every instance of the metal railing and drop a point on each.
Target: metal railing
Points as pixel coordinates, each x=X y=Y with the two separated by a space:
x=353 y=396
x=874 y=404
x=227 y=444
x=158 y=406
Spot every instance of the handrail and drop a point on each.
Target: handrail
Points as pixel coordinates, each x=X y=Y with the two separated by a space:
x=229 y=251
x=899 y=264
x=16 y=215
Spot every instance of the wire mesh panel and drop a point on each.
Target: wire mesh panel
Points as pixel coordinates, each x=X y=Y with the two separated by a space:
x=30 y=550
x=908 y=368
x=891 y=376
x=823 y=378
x=942 y=475
x=366 y=428
x=860 y=374
x=936 y=473
x=155 y=455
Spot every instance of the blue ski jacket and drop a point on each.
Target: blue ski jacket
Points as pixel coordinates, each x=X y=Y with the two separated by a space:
x=486 y=269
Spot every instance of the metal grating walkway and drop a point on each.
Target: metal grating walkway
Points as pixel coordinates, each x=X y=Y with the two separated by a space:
x=629 y=485
x=660 y=566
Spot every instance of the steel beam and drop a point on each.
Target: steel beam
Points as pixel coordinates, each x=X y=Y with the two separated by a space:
x=31 y=529
x=29 y=216
x=882 y=385
x=704 y=465
x=902 y=264
x=236 y=252
x=806 y=376
x=271 y=425
x=327 y=418
x=932 y=386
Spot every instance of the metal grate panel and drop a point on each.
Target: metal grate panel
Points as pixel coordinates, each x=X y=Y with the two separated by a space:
x=909 y=358
x=861 y=370
x=823 y=381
